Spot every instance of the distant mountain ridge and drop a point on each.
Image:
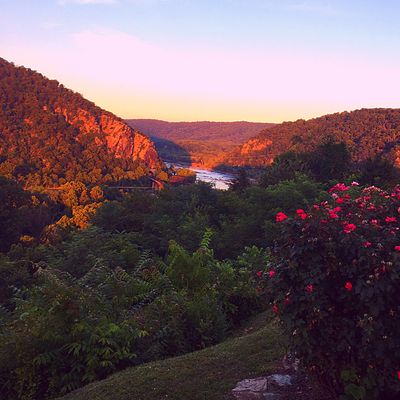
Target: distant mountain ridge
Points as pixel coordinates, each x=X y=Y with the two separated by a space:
x=367 y=133
x=53 y=132
x=201 y=143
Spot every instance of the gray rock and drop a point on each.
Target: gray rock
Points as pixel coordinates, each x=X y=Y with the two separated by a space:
x=251 y=389
x=280 y=380
x=261 y=388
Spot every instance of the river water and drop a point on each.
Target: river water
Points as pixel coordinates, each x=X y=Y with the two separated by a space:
x=220 y=180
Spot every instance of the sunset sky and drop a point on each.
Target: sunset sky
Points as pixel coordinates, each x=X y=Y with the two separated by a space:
x=256 y=60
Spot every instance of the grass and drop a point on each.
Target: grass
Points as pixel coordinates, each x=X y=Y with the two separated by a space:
x=208 y=374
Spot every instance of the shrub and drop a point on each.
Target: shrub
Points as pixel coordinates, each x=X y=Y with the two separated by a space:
x=89 y=317
x=63 y=334
x=335 y=288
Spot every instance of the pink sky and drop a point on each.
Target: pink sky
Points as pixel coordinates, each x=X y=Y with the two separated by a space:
x=139 y=76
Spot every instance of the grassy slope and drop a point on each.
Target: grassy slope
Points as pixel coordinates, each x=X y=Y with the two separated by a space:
x=209 y=374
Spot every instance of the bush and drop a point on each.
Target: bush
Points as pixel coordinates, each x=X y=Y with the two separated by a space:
x=63 y=335
x=82 y=316
x=335 y=288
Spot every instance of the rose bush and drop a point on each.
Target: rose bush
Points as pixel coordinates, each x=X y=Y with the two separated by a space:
x=335 y=288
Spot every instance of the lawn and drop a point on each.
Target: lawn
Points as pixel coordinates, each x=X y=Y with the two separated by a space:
x=208 y=374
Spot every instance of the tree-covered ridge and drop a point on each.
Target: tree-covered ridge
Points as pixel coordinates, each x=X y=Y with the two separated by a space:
x=50 y=135
x=367 y=133
x=201 y=143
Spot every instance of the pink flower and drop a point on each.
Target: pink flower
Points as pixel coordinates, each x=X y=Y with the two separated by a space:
x=300 y=212
x=367 y=244
x=390 y=219
x=340 y=200
x=309 y=288
x=340 y=187
x=333 y=215
x=280 y=217
x=337 y=209
x=354 y=183
x=397 y=248
x=272 y=273
x=348 y=286
x=348 y=228
x=259 y=274
x=275 y=309
x=398 y=375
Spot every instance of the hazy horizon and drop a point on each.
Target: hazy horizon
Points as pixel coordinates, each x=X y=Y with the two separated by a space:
x=225 y=61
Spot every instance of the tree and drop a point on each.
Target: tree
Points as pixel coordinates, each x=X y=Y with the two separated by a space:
x=14 y=207
x=241 y=181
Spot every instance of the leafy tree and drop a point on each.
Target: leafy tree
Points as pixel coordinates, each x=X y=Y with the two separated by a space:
x=241 y=182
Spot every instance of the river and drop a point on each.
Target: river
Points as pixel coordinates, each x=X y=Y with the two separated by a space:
x=220 y=180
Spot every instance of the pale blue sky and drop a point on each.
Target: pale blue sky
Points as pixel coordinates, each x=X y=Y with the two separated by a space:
x=268 y=60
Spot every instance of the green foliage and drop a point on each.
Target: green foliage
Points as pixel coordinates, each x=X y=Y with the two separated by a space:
x=241 y=182
x=328 y=161
x=378 y=171
x=335 y=290
x=82 y=316
x=64 y=333
x=22 y=215
x=88 y=247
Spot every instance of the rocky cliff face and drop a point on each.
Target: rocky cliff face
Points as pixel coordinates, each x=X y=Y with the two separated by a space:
x=121 y=139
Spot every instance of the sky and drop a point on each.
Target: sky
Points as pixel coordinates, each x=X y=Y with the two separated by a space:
x=220 y=60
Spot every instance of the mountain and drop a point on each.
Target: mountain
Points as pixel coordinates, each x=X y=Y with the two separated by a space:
x=367 y=133
x=198 y=143
x=50 y=134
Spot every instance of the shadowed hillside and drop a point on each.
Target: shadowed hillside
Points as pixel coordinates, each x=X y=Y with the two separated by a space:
x=205 y=142
x=367 y=133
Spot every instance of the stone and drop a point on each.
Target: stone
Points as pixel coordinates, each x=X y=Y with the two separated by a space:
x=280 y=380
x=261 y=388
x=251 y=389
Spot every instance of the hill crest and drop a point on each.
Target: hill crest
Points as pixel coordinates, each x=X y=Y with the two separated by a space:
x=367 y=133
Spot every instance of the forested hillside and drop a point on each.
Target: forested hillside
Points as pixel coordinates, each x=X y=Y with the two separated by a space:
x=50 y=135
x=199 y=143
x=367 y=133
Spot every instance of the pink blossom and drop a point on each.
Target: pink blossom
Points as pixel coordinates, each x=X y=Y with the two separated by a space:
x=280 y=217
x=348 y=286
x=272 y=273
x=332 y=214
x=340 y=187
x=348 y=228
